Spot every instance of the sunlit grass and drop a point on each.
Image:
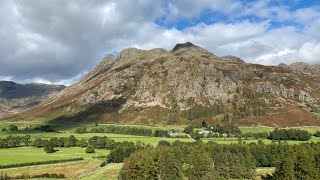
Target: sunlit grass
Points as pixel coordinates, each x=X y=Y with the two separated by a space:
x=31 y=154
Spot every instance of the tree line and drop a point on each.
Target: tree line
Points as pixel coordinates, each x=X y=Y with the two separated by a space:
x=117 y=130
x=45 y=128
x=298 y=162
x=96 y=142
x=289 y=134
x=232 y=130
x=192 y=160
x=214 y=161
x=126 y=130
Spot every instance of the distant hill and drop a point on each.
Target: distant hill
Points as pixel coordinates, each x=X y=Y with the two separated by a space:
x=16 y=97
x=186 y=85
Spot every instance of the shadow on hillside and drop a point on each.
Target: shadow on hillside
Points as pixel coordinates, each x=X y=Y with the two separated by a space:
x=92 y=114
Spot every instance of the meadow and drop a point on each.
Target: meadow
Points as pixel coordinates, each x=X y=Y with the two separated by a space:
x=89 y=168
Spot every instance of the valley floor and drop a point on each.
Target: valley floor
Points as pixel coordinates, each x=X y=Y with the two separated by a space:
x=89 y=167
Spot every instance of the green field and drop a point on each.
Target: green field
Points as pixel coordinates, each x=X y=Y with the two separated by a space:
x=26 y=154
x=109 y=172
x=116 y=137
x=72 y=170
x=311 y=129
x=250 y=140
x=89 y=168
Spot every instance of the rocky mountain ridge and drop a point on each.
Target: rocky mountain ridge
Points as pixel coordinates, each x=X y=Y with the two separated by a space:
x=186 y=85
x=17 y=97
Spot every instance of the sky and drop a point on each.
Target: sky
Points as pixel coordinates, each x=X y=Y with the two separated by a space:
x=57 y=41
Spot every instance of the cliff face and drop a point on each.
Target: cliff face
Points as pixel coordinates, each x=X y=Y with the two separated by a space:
x=185 y=85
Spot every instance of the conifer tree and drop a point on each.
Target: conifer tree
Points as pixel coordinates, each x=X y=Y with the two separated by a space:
x=285 y=168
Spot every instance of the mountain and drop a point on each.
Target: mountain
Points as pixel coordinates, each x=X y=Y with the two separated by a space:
x=17 y=97
x=186 y=85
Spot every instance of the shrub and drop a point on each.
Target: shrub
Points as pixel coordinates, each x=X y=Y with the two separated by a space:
x=49 y=149
x=47 y=175
x=161 y=133
x=188 y=129
x=90 y=149
x=81 y=130
x=164 y=143
x=13 y=127
x=104 y=163
x=45 y=128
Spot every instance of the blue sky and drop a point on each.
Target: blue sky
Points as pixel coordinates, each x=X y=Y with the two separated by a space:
x=58 y=42
x=209 y=16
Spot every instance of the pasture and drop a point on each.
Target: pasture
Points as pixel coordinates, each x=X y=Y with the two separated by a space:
x=89 y=168
x=32 y=154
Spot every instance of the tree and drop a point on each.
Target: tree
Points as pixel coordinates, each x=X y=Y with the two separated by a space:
x=49 y=149
x=122 y=151
x=54 y=141
x=61 y=142
x=317 y=134
x=199 y=163
x=45 y=128
x=81 y=130
x=82 y=143
x=289 y=134
x=164 y=143
x=317 y=163
x=188 y=129
x=90 y=149
x=26 y=140
x=13 y=127
x=71 y=141
x=304 y=167
x=285 y=168
x=38 y=143
x=204 y=124
x=169 y=166
x=110 y=144
x=161 y=133
x=140 y=165
x=195 y=135
x=222 y=164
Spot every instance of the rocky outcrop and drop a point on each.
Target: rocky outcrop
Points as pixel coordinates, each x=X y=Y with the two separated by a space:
x=305 y=68
x=159 y=78
x=234 y=58
x=182 y=79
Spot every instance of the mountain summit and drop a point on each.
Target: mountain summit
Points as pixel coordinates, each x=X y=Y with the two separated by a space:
x=184 y=46
x=188 y=47
x=186 y=85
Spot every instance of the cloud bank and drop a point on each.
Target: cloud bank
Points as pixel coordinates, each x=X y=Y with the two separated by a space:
x=58 y=41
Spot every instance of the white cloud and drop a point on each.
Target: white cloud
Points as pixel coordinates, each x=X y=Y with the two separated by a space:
x=5 y=78
x=58 y=41
x=310 y=52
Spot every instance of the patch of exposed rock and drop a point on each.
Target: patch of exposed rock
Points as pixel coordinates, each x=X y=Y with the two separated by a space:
x=185 y=77
x=305 y=68
x=234 y=58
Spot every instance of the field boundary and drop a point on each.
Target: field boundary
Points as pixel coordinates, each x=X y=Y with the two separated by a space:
x=39 y=163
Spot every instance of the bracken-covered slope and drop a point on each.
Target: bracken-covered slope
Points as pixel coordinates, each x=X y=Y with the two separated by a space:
x=186 y=85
